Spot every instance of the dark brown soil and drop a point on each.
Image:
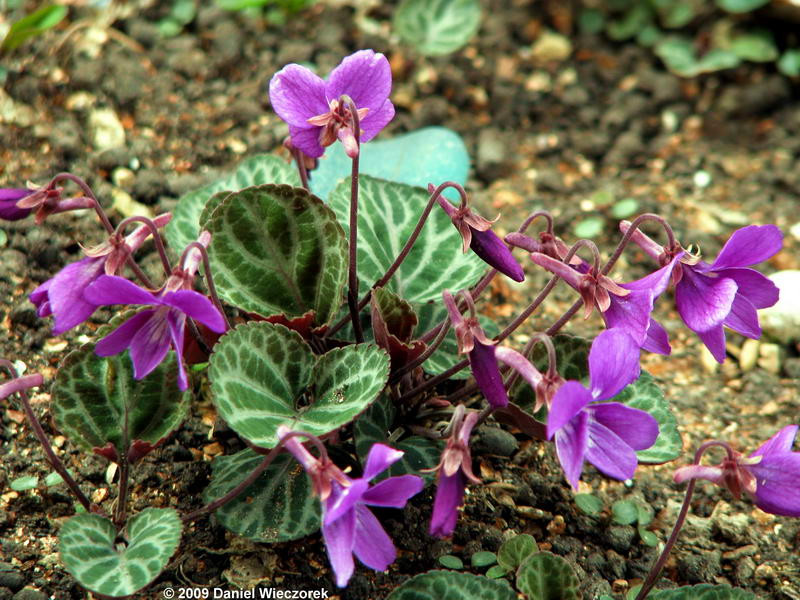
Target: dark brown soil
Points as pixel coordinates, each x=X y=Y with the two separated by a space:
x=541 y=135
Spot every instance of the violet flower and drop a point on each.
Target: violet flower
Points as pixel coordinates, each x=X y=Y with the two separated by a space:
x=348 y=526
x=311 y=106
x=9 y=211
x=62 y=294
x=455 y=469
x=770 y=475
x=725 y=292
x=607 y=434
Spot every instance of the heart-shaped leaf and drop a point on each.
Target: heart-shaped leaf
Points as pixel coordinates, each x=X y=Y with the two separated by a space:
x=388 y=213
x=516 y=551
x=429 y=155
x=451 y=585
x=703 y=591
x=264 y=375
x=91 y=553
x=436 y=27
x=255 y=170
x=276 y=249
x=279 y=506
x=95 y=397
x=545 y=576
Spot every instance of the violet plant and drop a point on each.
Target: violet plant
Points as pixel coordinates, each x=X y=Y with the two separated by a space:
x=314 y=315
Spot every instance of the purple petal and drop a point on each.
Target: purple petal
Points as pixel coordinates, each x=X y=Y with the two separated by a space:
x=743 y=318
x=630 y=313
x=339 y=537
x=120 y=339
x=609 y=453
x=342 y=503
x=372 y=545
x=635 y=427
x=307 y=140
x=177 y=326
x=196 y=306
x=613 y=363
x=66 y=293
x=9 y=211
x=374 y=122
x=449 y=495
x=393 y=492
x=40 y=299
x=487 y=374
x=110 y=289
x=703 y=302
x=567 y=403
x=778 y=484
x=781 y=442
x=364 y=76
x=714 y=339
x=748 y=246
x=657 y=339
x=297 y=94
x=571 y=444
x=713 y=474
x=380 y=458
x=657 y=281
x=495 y=253
x=567 y=273
x=754 y=286
x=151 y=343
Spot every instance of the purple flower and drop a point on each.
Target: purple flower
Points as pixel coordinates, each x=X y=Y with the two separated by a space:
x=770 y=475
x=725 y=292
x=455 y=469
x=150 y=333
x=311 y=106
x=9 y=210
x=607 y=434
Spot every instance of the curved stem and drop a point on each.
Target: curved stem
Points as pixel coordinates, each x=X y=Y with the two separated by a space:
x=88 y=193
x=212 y=290
x=584 y=244
x=542 y=338
x=635 y=224
x=535 y=215
x=352 y=278
x=555 y=327
x=162 y=252
x=523 y=316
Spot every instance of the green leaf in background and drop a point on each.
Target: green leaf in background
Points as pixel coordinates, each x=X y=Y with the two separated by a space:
x=591 y=20
x=264 y=375
x=54 y=478
x=436 y=27
x=644 y=514
x=639 y=16
x=589 y=504
x=515 y=551
x=758 y=46
x=279 y=506
x=545 y=576
x=674 y=14
x=92 y=394
x=741 y=6
x=374 y=427
x=278 y=250
x=449 y=585
x=24 y=483
x=33 y=24
x=648 y=537
x=91 y=553
x=589 y=227
x=482 y=559
x=624 y=512
x=624 y=208
x=388 y=213
x=703 y=591
x=496 y=572
x=789 y=63
x=429 y=155
x=646 y=395
x=255 y=170
x=678 y=54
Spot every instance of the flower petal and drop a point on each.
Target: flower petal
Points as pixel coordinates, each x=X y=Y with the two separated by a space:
x=713 y=474
x=743 y=318
x=487 y=374
x=714 y=339
x=120 y=339
x=495 y=253
x=613 y=363
x=609 y=452
x=630 y=313
x=150 y=344
x=197 y=306
x=66 y=293
x=40 y=299
x=342 y=503
x=657 y=339
x=177 y=326
x=307 y=140
x=394 y=491
x=571 y=444
x=569 y=400
x=110 y=289
x=375 y=121
x=297 y=94
x=365 y=76
x=339 y=537
x=449 y=496
x=702 y=301
x=778 y=484
x=757 y=288
x=635 y=427
x=379 y=458
x=779 y=443
x=748 y=246
x=371 y=544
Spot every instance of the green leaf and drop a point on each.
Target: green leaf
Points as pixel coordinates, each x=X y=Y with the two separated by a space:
x=644 y=514
x=255 y=170
x=91 y=553
x=429 y=155
x=675 y=14
x=374 y=426
x=545 y=576
x=449 y=585
x=789 y=63
x=635 y=19
x=678 y=54
x=648 y=537
x=757 y=46
x=591 y=20
x=703 y=591
x=276 y=249
x=436 y=27
x=516 y=551
x=496 y=572
x=54 y=478
x=32 y=25
x=624 y=512
x=589 y=228
x=483 y=559
x=624 y=208
x=646 y=395
x=741 y=6
x=264 y=375
x=92 y=394
x=589 y=504
x=449 y=561
x=388 y=213
x=22 y=484
x=279 y=506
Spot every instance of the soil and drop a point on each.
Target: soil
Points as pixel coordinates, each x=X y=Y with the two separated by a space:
x=710 y=154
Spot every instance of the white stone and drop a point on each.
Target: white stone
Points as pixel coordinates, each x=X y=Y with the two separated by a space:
x=551 y=46
x=782 y=321
x=105 y=129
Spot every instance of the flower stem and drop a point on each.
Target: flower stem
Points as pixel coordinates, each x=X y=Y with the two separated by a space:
x=88 y=193
x=635 y=224
x=212 y=289
x=352 y=273
x=297 y=154
x=162 y=252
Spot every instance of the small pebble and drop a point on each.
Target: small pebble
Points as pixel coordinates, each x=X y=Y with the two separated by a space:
x=749 y=355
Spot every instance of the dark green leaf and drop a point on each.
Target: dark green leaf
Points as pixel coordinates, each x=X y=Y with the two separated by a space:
x=588 y=503
x=449 y=585
x=625 y=512
x=449 y=561
x=703 y=591
x=545 y=576
x=517 y=550
x=483 y=559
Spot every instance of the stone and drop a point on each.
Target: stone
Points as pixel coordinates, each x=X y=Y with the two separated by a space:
x=493 y=440
x=11 y=578
x=551 y=47
x=105 y=129
x=781 y=322
x=620 y=537
x=770 y=357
